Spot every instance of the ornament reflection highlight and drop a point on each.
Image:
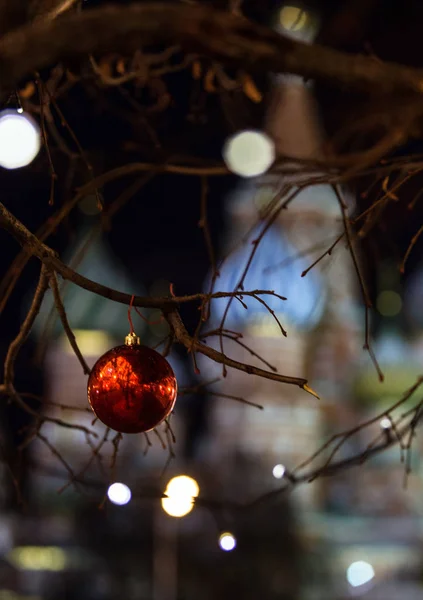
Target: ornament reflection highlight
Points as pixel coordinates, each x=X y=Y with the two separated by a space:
x=20 y=139
x=249 y=153
x=227 y=541
x=181 y=492
x=119 y=493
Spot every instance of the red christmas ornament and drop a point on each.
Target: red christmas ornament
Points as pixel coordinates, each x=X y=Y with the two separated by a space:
x=132 y=388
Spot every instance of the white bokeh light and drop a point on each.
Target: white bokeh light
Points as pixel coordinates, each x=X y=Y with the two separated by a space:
x=278 y=471
x=180 y=494
x=359 y=573
x=249 y=153
x=385 y=423
x=227 y=541
x=19 y=139
x=119 y=493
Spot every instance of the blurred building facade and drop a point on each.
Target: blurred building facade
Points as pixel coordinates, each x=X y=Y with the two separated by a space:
x=361 y=517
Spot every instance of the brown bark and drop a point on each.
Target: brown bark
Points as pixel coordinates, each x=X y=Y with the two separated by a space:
x=226 y=37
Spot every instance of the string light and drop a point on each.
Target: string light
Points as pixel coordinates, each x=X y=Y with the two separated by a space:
x=386 y=426
x=249 y=153
x=119 y=493
x=278 y=471
x=182 y=485
x=180 y=494
x=227 y=541
x=385 y=423
x=19 y=139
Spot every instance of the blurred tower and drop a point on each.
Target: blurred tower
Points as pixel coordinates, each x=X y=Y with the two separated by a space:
x=319 y=314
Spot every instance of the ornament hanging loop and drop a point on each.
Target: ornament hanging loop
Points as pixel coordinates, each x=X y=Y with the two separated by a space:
x=131 y=325
x=132 y=339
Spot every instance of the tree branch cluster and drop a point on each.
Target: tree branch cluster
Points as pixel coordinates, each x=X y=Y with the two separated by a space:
x=232 y=41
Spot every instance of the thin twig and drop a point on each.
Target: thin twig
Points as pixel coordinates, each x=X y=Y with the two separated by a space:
x=57 y=454
x=15 y=346
x=204 y=225
x=363 y=287
x=243 y=345
x=236 y=398
x=53 y=174
x=95 y=453
x=184 y=338
x=327 y=252
x=341 y=438
x=410 y=247
x=64 y=319
x=255 y=245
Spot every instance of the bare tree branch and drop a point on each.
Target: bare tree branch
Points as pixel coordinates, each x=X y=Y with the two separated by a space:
x=27 y=239
x=15 y=346
x=182 y=335
x=62 y=314
x=221 y=35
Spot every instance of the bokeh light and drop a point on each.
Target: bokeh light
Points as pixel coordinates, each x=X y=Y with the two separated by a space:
x=278 y=471
x=293 y=18
x=38 y=558
x=385 y=423
x=19 y=139
x=91 y=342
x=249 y=153
x=359 y=573
x=182 y=485
x=119 y=493
x=227 y=541
x=177 y=507
x=180 y=494
x=89 y=205
x=389 y=303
